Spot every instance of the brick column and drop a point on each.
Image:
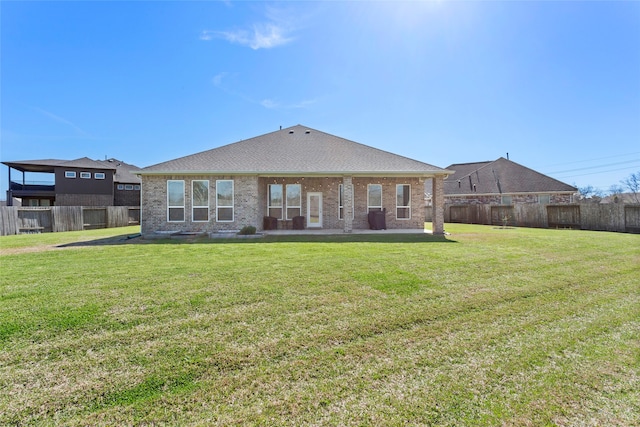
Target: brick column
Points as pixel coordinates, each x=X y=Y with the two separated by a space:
x=347 y=200
x=437 y=201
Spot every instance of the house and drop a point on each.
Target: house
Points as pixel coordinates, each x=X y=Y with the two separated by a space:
x=503 y=182
x=293 y=176
x=80 y=182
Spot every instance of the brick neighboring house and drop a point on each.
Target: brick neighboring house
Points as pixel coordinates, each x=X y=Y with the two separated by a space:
x=503 y=182
x=298 y=172
x=80 y=182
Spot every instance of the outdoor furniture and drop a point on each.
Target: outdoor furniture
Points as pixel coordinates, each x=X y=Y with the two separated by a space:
x=377 y=220
x=270 y=223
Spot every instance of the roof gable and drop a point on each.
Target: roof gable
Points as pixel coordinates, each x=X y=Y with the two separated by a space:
x=499 y=177
x=294 y=150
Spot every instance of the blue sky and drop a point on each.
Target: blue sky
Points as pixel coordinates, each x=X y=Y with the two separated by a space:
x=554 y=84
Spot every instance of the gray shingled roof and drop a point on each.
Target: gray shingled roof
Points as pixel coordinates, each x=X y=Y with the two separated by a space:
x=500 y=176
x=125 y=172
x=295 y=150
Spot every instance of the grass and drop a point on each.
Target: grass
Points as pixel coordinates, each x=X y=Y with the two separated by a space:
x=486 y=327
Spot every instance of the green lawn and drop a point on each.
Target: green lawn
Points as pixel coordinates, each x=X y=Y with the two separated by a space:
x=487 y=327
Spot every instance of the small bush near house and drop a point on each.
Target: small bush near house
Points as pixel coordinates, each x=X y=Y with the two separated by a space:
x=247 y=229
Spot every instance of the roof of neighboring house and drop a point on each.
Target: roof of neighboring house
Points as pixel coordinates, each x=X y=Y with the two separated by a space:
x=125 y=173
x=501 y=176
x=293 y=151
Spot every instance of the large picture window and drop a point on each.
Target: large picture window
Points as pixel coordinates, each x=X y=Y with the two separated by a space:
x=403 y=201
x=341 y=203
x=374 y=197
x=224 y=200
x=294 y=200
x=200 y=200
x=175 y=201
x=274 y=201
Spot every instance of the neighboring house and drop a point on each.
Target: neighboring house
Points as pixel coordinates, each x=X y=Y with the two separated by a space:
x=503 y=182
x=321 y=180
x=80 y=182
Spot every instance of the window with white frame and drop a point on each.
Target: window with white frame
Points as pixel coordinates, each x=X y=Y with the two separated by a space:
x=120 y=187
x=136 y=187
x=200 y=200
x=85 y=175
x=374 y=197
x=128 y=187
x=505 y=200
x=544 y=199
x=98 y=175
x=274 y=201
x=224 y=200
x=175 y=201
x=69 y=174
x=294 y=200
x=403 y=201
x=341 y=202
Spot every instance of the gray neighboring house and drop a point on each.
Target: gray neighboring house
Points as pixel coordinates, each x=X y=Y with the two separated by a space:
x=323 y=181
x=503 y=182
x=79 y=182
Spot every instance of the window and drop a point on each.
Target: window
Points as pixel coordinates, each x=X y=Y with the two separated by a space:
x=403 y=201
x=99 y=175
x=175 y=201
x=136 y=187
x=294 y=200
x=274 y=201
x=374 y=197
x=341 y=203
x=69 y=174
x=544 y=199
x=120 y=186
x=128 y=187
x=224 y=201
x=85 y=175
x=505 y=200
x=200 y=200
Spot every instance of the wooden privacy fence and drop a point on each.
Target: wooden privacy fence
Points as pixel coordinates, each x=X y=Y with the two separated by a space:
x=18 y=220
x=603 y=217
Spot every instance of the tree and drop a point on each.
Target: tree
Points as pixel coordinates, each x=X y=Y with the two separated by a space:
x=632 y=183
x=590 y=194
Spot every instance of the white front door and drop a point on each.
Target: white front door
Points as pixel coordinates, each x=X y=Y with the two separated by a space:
x=314 y=210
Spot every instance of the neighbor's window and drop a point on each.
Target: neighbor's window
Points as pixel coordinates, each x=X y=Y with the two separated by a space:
x=175 y=201
x=403 y=201
x=274 y=201
x=128 y=187
x=294 y=200
x=85 y=175
x=341 y=202
x=544 y=199
x=374 y=197
x=69 y=174
x=200 y=200
x=120 y=186
x=136 y=187
x=99 y=175
x=505 y=200
x=224 y=200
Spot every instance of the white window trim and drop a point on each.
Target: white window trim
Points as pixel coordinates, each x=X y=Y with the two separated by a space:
x=270 y=206
x=99 y=175
x=369 y=206
x=401 y=206
x=69 y=174
x=85 y=175
x=233 y=196
x=286 y=198
x=341 y=199
x=176 y=206
x=120 y=187
x=128 y=187
x=194 y=206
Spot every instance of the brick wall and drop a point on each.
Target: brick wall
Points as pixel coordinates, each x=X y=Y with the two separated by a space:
x=251 y=202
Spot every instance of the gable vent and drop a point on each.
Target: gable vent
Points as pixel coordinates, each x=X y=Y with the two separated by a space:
x=307 y=131
x=291 y=131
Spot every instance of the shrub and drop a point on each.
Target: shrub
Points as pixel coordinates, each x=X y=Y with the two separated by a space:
x=248 y=229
